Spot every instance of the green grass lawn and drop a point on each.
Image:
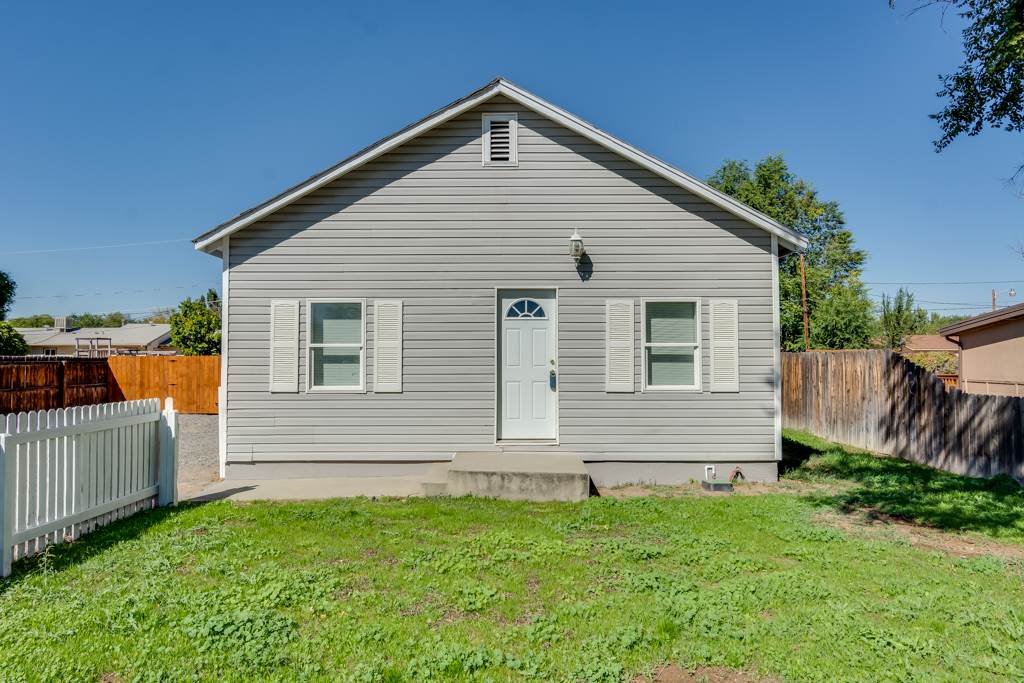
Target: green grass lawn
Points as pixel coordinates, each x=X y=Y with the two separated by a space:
x=469 y=589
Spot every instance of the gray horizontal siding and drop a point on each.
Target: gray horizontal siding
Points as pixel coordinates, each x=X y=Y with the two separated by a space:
x=428 y=224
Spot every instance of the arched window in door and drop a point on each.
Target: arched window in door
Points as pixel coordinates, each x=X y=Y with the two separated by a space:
x=525 y=308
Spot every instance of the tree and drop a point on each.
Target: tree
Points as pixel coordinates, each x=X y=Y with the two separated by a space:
x=159 y=316
x=833 y=263
x=843 y=319
x=936 y=321
x=115 y=319
x=39 y=320
x=7 y=289
x=898 y=319
x=988 y=88
x=11 y=341
x=195 y=326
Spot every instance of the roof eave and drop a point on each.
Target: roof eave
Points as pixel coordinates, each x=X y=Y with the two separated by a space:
x=984 y=320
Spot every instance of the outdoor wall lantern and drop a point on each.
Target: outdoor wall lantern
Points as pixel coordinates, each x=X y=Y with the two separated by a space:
x=576 y=249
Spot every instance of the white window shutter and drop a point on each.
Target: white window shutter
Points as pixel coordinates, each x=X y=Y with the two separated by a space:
x=619 y=321
x=387 y=346
x=284 y=345
x=725 y=352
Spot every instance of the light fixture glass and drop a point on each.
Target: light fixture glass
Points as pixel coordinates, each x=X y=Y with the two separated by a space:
x=576 y=246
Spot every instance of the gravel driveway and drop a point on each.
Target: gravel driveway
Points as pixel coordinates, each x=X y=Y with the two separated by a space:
x=197 y=453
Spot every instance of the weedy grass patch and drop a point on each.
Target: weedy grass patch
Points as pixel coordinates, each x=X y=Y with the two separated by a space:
x=906 y=490
x=477 y=590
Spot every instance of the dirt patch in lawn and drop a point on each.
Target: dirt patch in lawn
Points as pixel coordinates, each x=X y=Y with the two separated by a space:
x=873 y=523
x=702 y=674
x=742 y=488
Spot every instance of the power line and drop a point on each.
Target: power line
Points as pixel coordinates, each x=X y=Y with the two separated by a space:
x=98 y=246
x=975 y=282
x=119 y=291
x=953 y=303
x=148 y=309
x=965 y=304
x=957 y=308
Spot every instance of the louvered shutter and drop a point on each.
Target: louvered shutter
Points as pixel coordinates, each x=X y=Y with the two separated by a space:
x=284 y=345
x=501 y=144
x=387 y=346
x=619 y=321
x=725 y=353
x=499 y=137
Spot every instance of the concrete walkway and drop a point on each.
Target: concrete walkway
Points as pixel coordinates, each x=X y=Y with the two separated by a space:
x=524 y=476
x=310 y=489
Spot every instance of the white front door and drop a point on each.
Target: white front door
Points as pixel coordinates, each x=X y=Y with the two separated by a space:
x=528 y=382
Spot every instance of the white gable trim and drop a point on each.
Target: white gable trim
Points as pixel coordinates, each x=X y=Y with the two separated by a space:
x=787 y=237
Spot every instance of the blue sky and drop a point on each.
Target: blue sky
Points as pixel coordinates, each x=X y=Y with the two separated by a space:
x=150 y=122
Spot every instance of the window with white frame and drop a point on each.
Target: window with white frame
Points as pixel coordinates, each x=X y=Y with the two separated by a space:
x=336 y=345
x=671 y=344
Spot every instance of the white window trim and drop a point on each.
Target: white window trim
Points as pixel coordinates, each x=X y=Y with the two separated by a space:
x=513 y=138
x=361 y=389
x=697 y=347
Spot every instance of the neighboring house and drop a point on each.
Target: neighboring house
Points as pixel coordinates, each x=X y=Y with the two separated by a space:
x=132 y=338
x=929 y=343
x=991 y=349
x=423 y=298
x=933 y=352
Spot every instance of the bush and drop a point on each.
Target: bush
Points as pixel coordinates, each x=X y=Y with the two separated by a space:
x=942 y=362
x=11 y=341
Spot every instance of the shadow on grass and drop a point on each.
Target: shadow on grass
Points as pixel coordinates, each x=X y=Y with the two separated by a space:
x=61 y=556
x=906 y=490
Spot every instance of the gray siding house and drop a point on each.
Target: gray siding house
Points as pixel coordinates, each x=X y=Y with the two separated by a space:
x=424 y=297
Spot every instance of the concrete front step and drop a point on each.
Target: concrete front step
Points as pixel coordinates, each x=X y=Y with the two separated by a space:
x=513 y=476
x=435 y=483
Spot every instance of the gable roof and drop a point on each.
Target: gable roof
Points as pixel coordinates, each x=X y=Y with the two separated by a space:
x=788 y=238
x=991 y=318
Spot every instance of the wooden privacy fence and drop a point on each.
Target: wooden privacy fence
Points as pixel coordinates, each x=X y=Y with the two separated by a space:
x=191 y=381
x=65 y=472
x=880 y=401
x=33 y=383
x=38 y=383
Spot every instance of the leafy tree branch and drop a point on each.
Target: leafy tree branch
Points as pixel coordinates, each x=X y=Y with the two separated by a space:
x=195 y=326
x=840 y=311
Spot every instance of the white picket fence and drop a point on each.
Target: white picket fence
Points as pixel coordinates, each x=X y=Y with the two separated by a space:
x=65 y=472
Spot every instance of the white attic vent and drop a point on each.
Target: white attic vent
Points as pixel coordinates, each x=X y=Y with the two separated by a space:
x=500 y=140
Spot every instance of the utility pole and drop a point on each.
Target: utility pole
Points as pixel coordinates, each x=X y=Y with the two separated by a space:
x=993 y=299
x=803 y=296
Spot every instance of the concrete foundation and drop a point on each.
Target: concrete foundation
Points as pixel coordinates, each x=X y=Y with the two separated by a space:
x=313 y=470
x=320 y=488
x=615 y=473
x=512 y=476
